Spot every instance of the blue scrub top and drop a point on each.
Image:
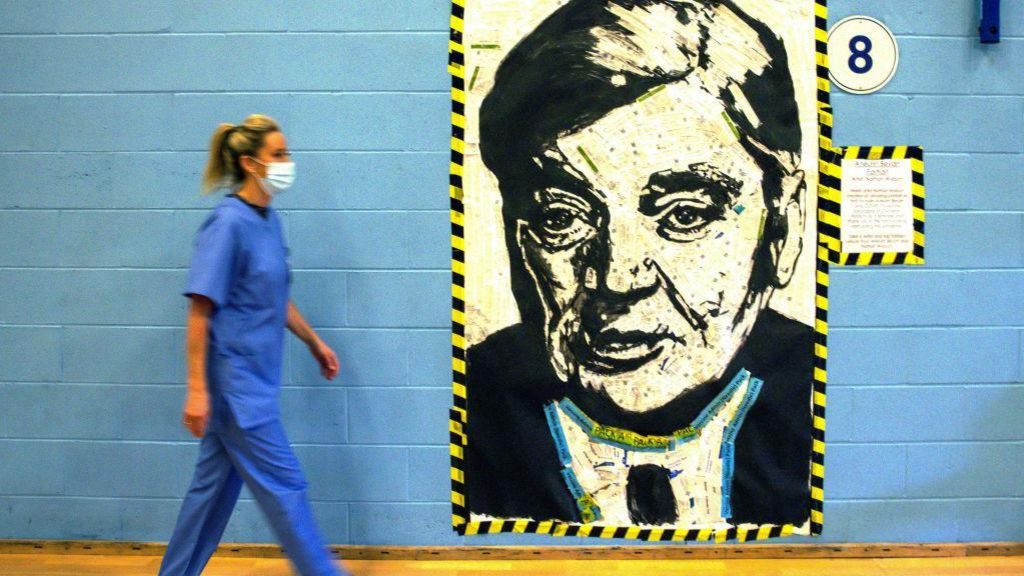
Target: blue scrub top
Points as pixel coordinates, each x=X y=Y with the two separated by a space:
x=240 y=262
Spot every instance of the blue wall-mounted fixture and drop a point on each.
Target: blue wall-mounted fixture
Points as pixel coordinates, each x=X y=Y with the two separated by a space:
x=989 y=28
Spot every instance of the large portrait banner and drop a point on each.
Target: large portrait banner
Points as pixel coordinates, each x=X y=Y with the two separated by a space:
x=639 y=286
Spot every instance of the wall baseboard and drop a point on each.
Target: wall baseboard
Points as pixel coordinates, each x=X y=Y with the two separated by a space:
x=679 y=552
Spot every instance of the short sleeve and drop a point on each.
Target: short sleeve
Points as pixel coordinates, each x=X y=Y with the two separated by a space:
x=214 y=257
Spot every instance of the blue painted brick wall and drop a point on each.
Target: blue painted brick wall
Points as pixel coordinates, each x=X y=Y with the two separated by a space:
x=105 y=112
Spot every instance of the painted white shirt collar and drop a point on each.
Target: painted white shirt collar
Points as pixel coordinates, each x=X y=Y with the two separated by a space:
x=700 y=458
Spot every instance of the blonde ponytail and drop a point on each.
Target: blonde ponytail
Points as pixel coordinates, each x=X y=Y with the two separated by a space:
x=228 y=144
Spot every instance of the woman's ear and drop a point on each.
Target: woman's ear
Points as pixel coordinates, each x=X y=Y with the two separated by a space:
x=249 y=165
x=786 y=250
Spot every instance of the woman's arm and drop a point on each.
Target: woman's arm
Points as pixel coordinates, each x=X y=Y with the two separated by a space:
x=196 y=413
x=326 y=357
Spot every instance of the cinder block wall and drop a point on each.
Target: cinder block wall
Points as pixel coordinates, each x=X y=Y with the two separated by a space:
x=105 y=112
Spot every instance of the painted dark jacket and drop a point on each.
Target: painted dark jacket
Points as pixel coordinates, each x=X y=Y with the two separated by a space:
x=512 y=468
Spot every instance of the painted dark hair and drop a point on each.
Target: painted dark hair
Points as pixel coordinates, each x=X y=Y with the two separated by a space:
x=550 y=85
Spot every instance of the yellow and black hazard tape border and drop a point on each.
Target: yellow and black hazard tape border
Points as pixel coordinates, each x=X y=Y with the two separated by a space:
x=461 y=521
x=830 y=205
x=825 y=156
x=457 y=415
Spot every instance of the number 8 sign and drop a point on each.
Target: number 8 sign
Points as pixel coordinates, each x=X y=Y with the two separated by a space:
x=862 y=54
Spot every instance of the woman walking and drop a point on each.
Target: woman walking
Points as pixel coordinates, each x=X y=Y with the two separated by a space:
x=238 y=285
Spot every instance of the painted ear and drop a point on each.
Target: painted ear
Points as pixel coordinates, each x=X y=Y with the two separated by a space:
x=786 y=250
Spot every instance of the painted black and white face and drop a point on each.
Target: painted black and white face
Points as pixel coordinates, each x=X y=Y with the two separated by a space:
x=644 y=263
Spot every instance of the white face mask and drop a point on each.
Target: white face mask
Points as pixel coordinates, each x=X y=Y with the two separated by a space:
x=280 y=176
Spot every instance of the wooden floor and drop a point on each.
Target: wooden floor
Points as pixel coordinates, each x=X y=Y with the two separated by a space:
x=72 y=565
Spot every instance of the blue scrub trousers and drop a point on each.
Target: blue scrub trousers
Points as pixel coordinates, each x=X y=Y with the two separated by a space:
x=263 y=459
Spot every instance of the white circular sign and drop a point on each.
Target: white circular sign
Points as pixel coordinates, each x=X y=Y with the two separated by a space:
x=862 y=54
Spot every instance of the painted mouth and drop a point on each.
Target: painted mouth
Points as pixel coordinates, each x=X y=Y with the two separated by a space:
x=614 y=352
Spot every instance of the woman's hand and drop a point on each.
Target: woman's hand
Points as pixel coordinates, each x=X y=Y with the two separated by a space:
x=326 y=357
x=196 y=414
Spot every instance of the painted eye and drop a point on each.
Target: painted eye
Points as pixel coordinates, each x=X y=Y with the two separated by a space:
x=558 y=226
x=687 y=221
x=558 y=220
x=685 y=218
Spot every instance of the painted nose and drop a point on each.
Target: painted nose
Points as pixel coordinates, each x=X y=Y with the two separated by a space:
x=629 y=270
